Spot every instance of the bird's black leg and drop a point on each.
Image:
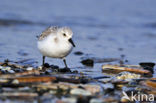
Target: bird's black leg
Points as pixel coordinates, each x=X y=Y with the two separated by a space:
x=43 y=60
x=64 y=60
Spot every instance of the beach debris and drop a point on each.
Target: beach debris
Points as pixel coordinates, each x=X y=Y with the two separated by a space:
x=151 y=83
x=148 y=66
x=95 y=100
x=117 y=69
x=67 y=100
x=13 y=75
x=79 y=91
x=35 y=79
x=127 y=76
x=83 y=99
x=29 y=68
x=88 y=62
x=90 y=89
x=107 y=86
x=19 y=94
x=51 y=83
x=7 y=64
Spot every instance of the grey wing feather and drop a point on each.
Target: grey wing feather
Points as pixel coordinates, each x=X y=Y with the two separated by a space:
x=47 y=32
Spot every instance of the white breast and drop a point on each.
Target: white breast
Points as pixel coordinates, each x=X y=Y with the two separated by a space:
x=48 y=47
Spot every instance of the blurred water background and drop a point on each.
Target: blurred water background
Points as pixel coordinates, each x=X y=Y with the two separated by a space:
x=102 y=29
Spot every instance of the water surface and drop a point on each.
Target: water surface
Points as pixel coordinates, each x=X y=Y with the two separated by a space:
x=102 y=29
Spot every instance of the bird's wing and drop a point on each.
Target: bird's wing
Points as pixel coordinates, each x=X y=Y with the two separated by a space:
x=48 y=31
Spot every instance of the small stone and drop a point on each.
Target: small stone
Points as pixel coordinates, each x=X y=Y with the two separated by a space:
x=1 y=67
x=48 y=71
x=46 y=65
x=108 y=86
x=128 y=76
x=52 y=92
x=148 y=66
x=11 y=71
x=54 y=66
x=94 y=100
x=69 y=100
x=75 y=71
x=64 y=70
x=78 y=53
x=88 y=62
x=29 y=68
x=7 y=68
x=40 y=67
x=17 y=70
x=15 y=81
x=24 y=88
x=83 y=99
x=3 y=71
x=78 y=91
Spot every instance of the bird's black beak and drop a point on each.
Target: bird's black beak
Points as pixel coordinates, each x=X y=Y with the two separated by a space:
x=71 y=41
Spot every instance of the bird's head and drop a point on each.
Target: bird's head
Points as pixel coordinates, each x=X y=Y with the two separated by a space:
x=66 y=33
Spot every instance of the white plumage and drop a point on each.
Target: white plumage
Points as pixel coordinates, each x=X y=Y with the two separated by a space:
x=56 y=42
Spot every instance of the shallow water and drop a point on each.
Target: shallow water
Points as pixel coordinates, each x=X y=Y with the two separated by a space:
x=102 y=29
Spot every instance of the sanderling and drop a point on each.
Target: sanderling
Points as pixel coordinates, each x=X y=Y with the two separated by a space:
x=56 y=42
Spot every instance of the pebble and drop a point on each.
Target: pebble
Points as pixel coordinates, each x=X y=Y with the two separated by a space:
x=128 y=76
x=69 y=100
x=15 y=81
x=17 y=70
x=11 y=71
x=54 y=66
x=48 y=71
x=7 y=68
x=29 y=68
x=148 y=66
x=79 y=91
x=40 y=68
x=46 y=65
x=88 y=62
x=1 y=67
x=96 y=100
x=83 y=99
x=63 y=70
x=78 y=53
x=108 y=86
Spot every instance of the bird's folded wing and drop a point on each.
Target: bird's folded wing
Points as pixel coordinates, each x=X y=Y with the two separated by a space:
x=48 y=31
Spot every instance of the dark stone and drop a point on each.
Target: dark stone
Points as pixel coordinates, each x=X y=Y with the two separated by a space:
x=3 y=72
x=81 y=87
x=153 y=80
x=126 y=61
x=46 y=65
x=83 y=99
x=54 y=66
x=75 y=71
x=78 y=53
x=48 y=72
x=64 y=70
x=148 y=66
x=88 y=62
x=120 y=49
x=17 y=70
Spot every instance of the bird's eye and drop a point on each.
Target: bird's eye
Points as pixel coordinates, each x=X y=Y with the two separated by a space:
x=64 y=34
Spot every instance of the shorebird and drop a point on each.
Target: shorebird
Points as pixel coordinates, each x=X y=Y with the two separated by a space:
x=55 y=42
